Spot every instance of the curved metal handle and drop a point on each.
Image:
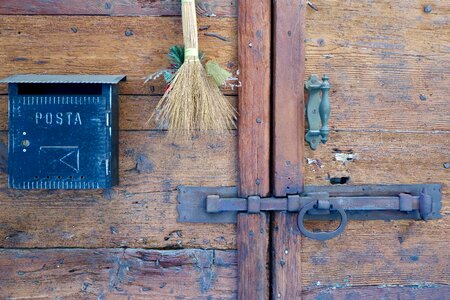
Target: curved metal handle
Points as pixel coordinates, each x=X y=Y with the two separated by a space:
x=325 y=109
x=317 y=110
x=324 y=235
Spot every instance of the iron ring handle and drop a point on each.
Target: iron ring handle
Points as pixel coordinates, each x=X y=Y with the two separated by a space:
x=324 y=235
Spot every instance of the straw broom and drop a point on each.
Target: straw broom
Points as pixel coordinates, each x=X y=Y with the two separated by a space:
x=193 y=100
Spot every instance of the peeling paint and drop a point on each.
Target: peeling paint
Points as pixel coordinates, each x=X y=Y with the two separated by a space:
x=345 y=157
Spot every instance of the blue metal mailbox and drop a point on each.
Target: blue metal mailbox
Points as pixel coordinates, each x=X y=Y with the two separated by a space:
x=63 y=131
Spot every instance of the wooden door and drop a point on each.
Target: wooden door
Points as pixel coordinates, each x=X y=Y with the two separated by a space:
x=372 y=143
x=388 y=64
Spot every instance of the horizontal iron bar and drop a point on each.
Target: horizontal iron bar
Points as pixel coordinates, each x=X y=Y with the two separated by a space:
x=366 y=202
x=215 y=204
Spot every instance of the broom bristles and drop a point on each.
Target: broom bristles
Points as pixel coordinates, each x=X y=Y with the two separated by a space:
x=194 y=102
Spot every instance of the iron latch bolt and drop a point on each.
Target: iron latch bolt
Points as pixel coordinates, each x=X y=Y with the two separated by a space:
x=320 y=203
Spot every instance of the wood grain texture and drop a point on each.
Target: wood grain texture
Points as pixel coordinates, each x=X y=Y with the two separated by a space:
x=140 y=212
x=372 y=75
x=377 y=253
x=381 y=57
x=253 y=256
x=117 y=274
x=136 y=109
x=288 y=97
x=287 y=143
x=381 y=157
x=114 y=7
x=135 y=46
x=381 y=292
x=286 y=257
x=254 y=44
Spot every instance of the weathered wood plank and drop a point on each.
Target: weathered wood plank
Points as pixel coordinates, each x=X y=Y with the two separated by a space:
x=383 y=65
x=133 y=46
x=287 y=143
x=288 y=98
x=254 y=97
x=114 y=7
x=253 y=256
x=135 y=111
x=380 y=157
x=254 y=142
x=141 y=211
x=379 y=253
x=286 y=257
x=117 y=274
x=429 y=292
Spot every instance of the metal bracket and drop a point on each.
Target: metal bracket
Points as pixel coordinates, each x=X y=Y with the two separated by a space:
x=371 y=202
x=317 y=110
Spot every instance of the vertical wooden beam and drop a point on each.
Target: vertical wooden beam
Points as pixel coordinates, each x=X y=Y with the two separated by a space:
x=254 y=35
x=288 y=97
x=253 y=255
x=286 y=262
x=288 y=143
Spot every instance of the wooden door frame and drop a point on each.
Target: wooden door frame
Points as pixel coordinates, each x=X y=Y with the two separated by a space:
x=259 y=59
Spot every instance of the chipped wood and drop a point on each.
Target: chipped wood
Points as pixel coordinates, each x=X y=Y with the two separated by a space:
x=141 y=211
x=117 y=273
x=143 y=207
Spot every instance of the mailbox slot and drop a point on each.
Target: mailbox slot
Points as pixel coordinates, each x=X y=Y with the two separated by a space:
x=59 y=89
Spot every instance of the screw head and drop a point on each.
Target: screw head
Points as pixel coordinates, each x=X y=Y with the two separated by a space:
x=427 y=8
x=447 y=165
x=25 y=143
x=422 y=97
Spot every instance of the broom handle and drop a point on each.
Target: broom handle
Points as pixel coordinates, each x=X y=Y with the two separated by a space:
x=190 y=36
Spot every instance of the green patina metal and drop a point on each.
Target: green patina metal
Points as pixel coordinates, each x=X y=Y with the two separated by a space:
x=317 y=110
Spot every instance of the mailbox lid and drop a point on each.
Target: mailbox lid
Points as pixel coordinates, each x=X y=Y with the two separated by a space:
x=36 y=78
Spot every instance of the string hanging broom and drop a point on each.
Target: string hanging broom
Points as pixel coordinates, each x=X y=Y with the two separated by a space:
x=193 y=100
